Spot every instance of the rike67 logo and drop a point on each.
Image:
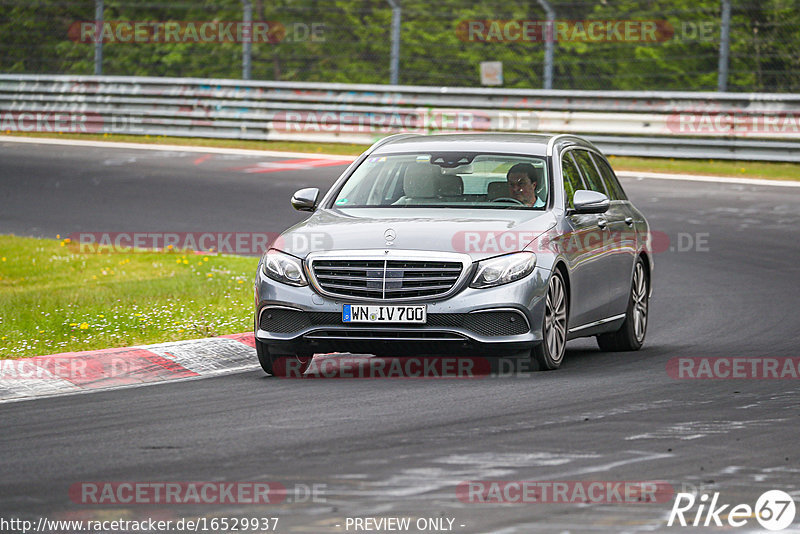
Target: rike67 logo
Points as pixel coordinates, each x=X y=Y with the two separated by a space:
x=774 y=510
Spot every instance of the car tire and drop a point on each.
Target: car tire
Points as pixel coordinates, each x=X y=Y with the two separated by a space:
x=548 y=355
x=631 y=334
x=283 y=365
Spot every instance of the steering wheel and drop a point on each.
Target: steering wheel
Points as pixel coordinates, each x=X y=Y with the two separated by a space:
x=506 y=199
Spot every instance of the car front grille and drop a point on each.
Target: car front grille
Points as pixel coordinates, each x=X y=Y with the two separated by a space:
x=386 y=279
x=485 y=323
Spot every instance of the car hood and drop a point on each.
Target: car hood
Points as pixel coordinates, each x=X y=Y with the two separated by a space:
x=479 y=233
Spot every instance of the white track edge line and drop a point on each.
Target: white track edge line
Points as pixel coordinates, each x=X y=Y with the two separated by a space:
x=304 y=155
x=173 y=148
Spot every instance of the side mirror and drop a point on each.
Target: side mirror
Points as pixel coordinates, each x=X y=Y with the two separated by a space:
x=305 y=199
x=589 y=202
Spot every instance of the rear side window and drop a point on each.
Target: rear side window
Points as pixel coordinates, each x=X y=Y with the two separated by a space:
x=572 y=178
x=610 y=179
x=589 y=171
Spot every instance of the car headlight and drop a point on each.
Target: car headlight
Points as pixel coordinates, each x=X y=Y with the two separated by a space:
x=282 y=267
x=505 y=269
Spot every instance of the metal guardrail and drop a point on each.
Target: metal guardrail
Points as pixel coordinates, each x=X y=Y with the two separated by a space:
x=662 y=124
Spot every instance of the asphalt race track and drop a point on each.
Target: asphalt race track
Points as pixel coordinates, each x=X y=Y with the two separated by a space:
x=400 y=448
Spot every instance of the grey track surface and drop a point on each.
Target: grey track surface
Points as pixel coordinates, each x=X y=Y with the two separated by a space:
x=48 y=189
x=400 y=447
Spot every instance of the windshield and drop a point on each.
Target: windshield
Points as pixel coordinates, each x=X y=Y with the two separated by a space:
x=447 y=180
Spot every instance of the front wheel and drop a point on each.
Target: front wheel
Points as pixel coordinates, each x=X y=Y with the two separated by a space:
x=549 y=354
x=630 y=335
x=285 y=365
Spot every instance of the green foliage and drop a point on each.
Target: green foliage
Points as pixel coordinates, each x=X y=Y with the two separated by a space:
x=355 y=43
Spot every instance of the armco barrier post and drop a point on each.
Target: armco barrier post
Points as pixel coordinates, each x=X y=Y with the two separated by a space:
x=724 y=46
x=549 y=44
x=394 y=60
x=247 y=45
x=98 y=42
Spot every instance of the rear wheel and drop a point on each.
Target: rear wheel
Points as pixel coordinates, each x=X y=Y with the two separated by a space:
x=549 y=354
x=630 y=335
x=286 y=365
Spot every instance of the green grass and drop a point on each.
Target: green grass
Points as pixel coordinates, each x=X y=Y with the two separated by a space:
x=743 y=169
x=53 y=299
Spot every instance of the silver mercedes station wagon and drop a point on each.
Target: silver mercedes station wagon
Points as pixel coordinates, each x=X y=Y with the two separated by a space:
x=495 y=245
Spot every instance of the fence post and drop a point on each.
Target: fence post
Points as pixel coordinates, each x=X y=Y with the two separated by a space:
x=98 y=37
x=724 y=46
x=549 y=43
x=394 y=61
x=247 y=42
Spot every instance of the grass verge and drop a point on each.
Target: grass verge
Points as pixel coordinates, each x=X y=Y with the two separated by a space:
x=53 y=299
x=741 y=169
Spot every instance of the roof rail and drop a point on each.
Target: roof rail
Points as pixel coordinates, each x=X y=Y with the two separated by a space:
x=389 y=138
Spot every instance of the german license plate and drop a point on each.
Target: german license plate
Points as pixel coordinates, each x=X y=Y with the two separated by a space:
x=362 y=313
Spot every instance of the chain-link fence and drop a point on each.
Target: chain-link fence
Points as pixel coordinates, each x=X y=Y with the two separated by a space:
x=611 y=44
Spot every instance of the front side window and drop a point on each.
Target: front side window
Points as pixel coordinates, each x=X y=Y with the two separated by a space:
x=447 y=180
x=572 y=178
x=590 y=174
x=610 y=179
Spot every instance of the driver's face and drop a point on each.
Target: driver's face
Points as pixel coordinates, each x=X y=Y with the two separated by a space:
x=522 y=188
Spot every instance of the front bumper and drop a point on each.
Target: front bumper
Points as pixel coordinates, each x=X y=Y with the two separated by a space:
x=488 y=322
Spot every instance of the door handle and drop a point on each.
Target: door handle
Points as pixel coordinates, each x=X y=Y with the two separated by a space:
x=602 y=223
x=629 y=221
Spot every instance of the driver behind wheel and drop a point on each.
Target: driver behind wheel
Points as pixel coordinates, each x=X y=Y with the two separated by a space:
x=523 y=179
